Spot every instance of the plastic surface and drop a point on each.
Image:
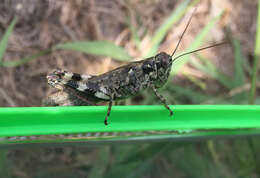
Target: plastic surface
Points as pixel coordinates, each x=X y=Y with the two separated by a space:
x=187 y=118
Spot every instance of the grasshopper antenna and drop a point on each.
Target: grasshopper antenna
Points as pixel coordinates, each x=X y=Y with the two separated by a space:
x=194 y=51
x=184 y=31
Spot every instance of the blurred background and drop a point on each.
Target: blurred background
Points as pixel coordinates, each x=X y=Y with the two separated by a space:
x=93 y=37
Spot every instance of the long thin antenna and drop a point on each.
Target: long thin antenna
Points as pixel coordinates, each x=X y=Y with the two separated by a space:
x=211 y=46
x=184 y=31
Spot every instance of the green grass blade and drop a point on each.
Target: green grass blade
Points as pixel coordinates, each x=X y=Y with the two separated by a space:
x=192 y=169
x=247 y=67
x=101 y=163
x=4 y=167
x=195 y=44
x=144 y=158
x=16 y=63
x=99 y=48
x=196 y=81
x=4 y=41
x=167 y=25
x=209 y=68
x=239 y=69
x=135 y=37
x=239 y=72
x=256 y=59
x=195 y=97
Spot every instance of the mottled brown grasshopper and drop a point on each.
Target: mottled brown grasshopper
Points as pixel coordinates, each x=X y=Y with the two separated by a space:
x=123 y=82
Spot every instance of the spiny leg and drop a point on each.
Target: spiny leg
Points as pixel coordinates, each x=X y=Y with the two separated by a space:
x=162 y=99
x=108 y=111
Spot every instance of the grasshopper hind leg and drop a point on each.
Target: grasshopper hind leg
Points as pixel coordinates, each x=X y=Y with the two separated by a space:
x=162 y=99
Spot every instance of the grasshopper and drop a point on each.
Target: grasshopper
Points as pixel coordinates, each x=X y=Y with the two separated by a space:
x=123 y=82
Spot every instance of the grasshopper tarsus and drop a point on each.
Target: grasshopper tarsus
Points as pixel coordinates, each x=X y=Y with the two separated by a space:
x=171 y=112
x=169 y=109
x=105 y=121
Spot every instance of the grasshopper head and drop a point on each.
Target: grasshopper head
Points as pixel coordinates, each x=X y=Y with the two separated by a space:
x=158 y=68
x=163 y=61
x=55 y=78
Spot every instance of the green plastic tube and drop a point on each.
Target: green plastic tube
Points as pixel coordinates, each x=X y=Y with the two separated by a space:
x=27 y=121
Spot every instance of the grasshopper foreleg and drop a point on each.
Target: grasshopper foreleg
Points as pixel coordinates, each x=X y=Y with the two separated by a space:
x=162 y=99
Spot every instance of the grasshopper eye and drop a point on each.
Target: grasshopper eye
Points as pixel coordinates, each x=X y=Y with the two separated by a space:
x=147 y=67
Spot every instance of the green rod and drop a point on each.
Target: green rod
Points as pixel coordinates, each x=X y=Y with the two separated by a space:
x=256 y=60
x=27 y=121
